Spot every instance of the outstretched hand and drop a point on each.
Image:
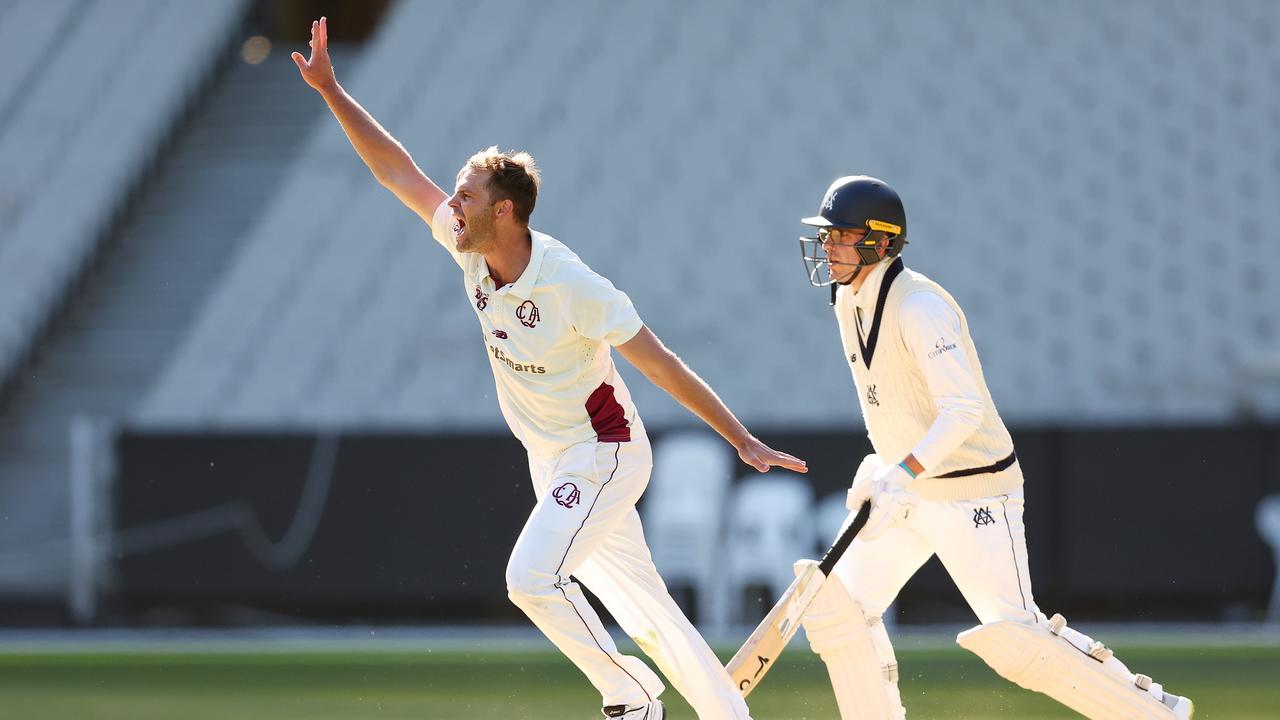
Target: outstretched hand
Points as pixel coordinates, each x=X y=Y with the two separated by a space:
x=762 y=457
x=318 y=69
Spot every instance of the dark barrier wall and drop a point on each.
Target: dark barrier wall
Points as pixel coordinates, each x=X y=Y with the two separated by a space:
x=1122 y=524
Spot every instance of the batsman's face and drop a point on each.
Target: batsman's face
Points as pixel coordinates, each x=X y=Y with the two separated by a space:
x=473 y=211
x=840 y=246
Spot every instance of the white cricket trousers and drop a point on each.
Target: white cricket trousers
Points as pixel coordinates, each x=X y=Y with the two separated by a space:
x=585 y=526
x=982 y=544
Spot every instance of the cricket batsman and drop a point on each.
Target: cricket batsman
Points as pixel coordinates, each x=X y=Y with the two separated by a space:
x=944 y=479
x=547 y=323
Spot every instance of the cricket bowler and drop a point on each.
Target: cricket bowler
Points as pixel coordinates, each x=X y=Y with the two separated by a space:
x=547 y=323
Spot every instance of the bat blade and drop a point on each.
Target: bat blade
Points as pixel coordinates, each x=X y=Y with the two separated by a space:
x=757 y=655
x=767 y=641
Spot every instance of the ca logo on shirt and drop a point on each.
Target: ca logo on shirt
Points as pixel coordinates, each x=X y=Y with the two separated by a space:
x=528 y=314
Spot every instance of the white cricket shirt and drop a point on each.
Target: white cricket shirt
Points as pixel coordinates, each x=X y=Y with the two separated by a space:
x=921 y=387
x=547 y=336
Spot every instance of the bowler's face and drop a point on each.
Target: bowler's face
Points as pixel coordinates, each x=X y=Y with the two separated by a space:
x=472 y=211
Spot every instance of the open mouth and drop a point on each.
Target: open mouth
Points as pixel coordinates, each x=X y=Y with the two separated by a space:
x=459 y=225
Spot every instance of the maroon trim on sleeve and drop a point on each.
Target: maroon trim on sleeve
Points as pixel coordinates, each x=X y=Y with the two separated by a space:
x=608 y=418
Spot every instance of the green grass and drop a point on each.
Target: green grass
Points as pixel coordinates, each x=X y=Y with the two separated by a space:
x=1225 y=683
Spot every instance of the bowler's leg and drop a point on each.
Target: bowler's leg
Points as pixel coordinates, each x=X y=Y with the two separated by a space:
x=589 y=493
x=621 y=573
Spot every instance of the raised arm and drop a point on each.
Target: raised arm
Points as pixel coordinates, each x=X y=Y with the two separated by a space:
x=667 y=371
x=385 y=156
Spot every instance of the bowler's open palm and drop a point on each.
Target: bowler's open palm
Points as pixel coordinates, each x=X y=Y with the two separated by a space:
x=318 y=70
x=762 y=457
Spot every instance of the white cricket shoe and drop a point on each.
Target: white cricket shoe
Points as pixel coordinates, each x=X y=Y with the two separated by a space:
x=653 y=711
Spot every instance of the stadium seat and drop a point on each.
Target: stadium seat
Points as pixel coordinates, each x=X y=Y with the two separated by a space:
x=683 y=512
x=1267 y=519
x=770 y=526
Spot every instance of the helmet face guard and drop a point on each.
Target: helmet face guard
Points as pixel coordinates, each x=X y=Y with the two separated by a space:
x=854 y=202
x=819 y=265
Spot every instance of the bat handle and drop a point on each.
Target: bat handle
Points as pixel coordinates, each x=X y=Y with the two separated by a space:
x=836 y=551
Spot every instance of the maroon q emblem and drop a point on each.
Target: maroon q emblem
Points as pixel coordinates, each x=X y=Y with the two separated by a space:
x=482 y=298
x=528 y=314
x=567 y=495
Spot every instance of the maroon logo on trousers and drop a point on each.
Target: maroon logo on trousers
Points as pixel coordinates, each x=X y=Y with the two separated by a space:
x=567 y=495
x=528 y=314
x=482 y=298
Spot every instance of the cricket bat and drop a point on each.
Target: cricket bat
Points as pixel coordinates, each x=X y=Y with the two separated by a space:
x=757 y=655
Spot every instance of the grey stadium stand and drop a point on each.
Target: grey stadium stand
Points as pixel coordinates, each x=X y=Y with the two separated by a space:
x=1094 y=181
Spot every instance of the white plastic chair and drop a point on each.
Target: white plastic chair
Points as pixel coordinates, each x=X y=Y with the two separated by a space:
x=770 y=526
x=683 y=514
x=1267 y=518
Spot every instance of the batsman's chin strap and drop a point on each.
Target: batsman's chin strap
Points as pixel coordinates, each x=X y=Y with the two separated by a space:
x=836 y=285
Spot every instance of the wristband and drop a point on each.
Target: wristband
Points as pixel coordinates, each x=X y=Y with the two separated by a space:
x=907 y=467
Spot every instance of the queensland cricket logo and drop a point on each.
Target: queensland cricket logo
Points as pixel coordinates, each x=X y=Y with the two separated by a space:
x=482 y=298
x=567 y=495
x=528 y=314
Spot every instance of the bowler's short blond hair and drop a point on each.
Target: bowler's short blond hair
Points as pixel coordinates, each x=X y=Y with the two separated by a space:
x=513 y=176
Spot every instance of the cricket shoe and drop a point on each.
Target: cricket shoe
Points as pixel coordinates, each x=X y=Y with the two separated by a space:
x=653 y=711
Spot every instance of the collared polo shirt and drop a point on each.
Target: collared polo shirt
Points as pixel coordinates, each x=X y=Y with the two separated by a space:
x=547 y=337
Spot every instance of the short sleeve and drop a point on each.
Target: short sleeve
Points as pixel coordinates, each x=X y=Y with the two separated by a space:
x=599 y=311
x=442 y=229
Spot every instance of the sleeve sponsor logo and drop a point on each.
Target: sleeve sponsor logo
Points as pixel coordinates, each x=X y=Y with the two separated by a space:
x=518 y=367
x=940 y=347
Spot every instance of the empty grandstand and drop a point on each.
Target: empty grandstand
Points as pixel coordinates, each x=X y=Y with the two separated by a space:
x=188 y=245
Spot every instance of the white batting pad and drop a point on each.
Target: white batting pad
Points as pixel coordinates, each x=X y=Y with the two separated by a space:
x=864 y=672
x=1067 y=666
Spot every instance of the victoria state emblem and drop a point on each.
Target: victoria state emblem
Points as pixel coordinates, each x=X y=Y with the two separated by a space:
x=567 y=495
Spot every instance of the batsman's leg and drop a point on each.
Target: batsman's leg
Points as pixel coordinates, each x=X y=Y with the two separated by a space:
x=845 y=628
x=1073 y=669
x=582 y=496
x=982 y=543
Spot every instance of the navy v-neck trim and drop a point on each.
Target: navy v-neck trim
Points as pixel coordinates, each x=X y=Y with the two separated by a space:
x=869 y=348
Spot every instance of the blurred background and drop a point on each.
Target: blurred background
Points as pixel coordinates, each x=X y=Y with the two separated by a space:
x=240 y=385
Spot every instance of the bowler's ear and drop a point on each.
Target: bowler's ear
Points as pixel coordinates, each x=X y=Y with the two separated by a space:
x=503 y=208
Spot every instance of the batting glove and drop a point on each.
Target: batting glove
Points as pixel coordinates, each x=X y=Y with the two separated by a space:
x=891 y=502
x=862 y=488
